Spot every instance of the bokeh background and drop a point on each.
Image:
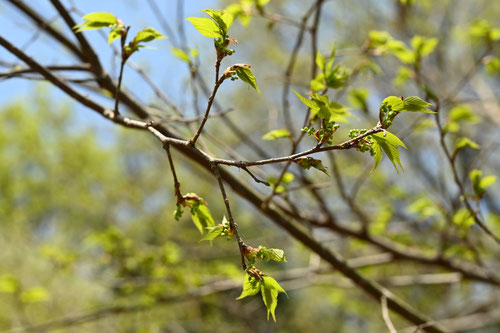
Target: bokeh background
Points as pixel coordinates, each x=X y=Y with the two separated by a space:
x=88 y=242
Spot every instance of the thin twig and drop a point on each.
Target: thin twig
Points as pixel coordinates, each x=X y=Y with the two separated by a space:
x=385 y=315
x=233 y=225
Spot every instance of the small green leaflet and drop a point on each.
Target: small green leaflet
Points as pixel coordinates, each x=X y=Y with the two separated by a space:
x=423 y=46
x=201 y=216
x=321 y=107
x=147 y=35
x=115 y=33
x=34 y=295
x=9 y=284
x=180 y=54
x=480 y=183
x=389 y=144
x=416 y=104
x=222 y=18
x=277 y=255
x=307 y=102
x=205 y=26
x=213 y=233
x=464 y=142
x=96 y=21
x=270 y=288
x=396 y=103
x=320 y=61
x=246 y=75
x=308 y=162
x=276 y=134
x=250 y=286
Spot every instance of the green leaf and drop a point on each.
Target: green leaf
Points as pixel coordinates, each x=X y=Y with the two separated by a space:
x=318 y=83
x=332 y=58
x=401 y=51
x=34 y=295
x=246 y=75
x=115 y=33
x=377 y=156
x=205 y=26
x=276 y=134
x=308 y=162
x=479 y=183
x=404 y=73
x=223 y=19
x=9 y=284
x=96 y=20
x=423 y=46
x=416 y=104
x=307 y=102
x=250 y=286
x=463 y=113
x=463 y=219
x=147 y=35
x=487 y=181
x=464 y=142
x=493 y=66
x=272 y=254
x=320 y=61
x=201 y=216
x=337 y=77
x=424 y=207
x=270 y=288
x=389 y=144
x=213 y=233
x=394 y=102
x=180 y=54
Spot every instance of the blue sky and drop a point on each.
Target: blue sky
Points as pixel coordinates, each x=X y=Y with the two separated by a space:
x=159 y=63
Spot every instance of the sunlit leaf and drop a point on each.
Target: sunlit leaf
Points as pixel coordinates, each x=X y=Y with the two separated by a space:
x=246 y=75
x=276 y=134
x=250 y=286
x=205 y=26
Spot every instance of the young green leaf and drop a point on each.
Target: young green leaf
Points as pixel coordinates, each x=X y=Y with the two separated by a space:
x=222 y=18
x=377 y=154
x=246 y=75
x=147 y=35
x=308 y=162
x=389 y=144
x=480 y=183
x=180 y=54
x=250 y=286
x=201 y=216
x=270 y=288
x=320 y=61
x=307 y=102
x=115 y=33
x=9 y=284
x=423 y=46
x=276 y=134
x=97 y=20
x=416 y=104
x=271 y=254
x=213 y=233
x=34 y=295
x=394 y=102
x=464 y=142
x=205 y=26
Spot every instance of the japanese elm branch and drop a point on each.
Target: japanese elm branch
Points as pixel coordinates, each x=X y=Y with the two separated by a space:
x=233 y=225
